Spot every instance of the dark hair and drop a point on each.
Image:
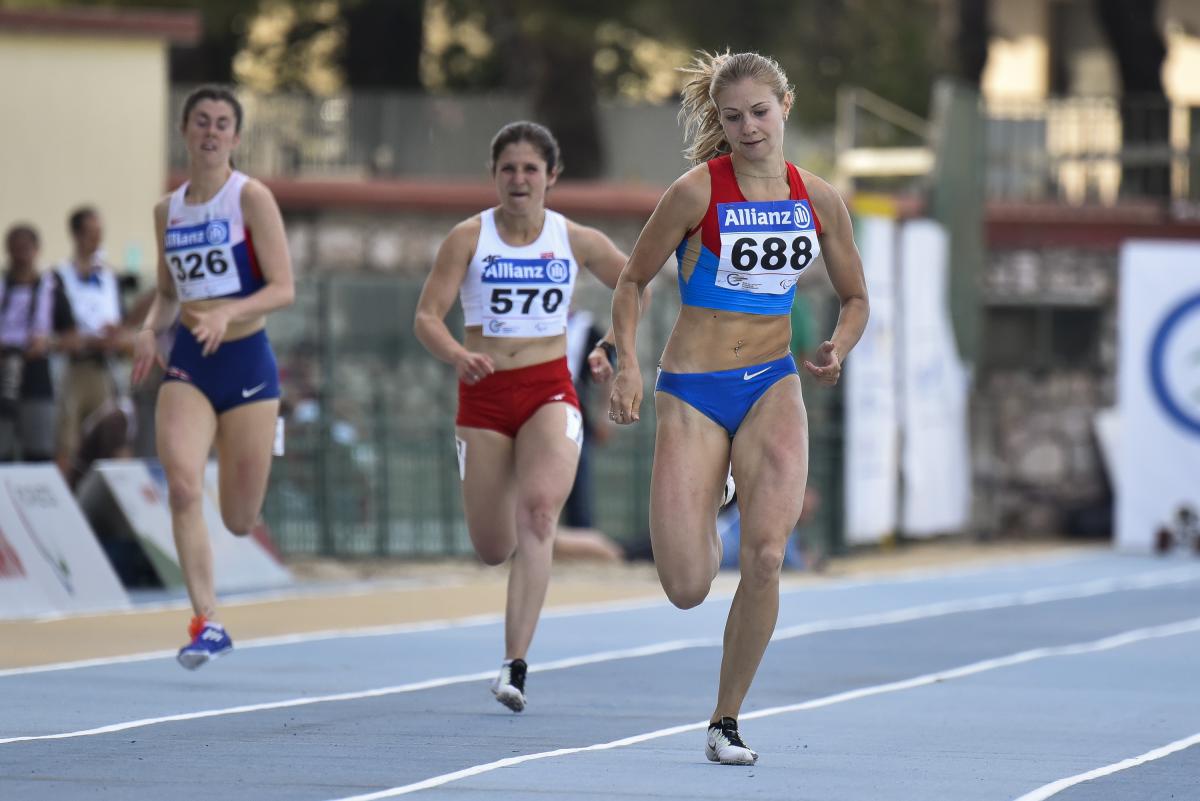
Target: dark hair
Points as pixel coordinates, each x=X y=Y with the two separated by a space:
x=524 y=131
x=79 y=216
x=18 y=229
x=213 y=93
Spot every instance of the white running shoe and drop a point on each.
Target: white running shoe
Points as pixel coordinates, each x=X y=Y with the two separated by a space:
x=730 y=488
x=509 y=685
x=725 y=744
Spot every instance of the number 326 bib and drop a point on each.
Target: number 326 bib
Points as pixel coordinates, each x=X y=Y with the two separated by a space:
x=765 y=245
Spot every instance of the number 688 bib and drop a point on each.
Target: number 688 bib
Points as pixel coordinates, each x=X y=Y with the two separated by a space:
x=765 y=245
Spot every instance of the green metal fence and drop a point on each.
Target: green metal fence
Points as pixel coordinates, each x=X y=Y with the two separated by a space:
x=371 y=469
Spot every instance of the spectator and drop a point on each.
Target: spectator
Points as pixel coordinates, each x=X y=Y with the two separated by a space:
x=26 y=392
x=89 y=319
x=578 y=537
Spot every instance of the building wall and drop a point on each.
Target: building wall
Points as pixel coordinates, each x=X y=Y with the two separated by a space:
x=84 y=123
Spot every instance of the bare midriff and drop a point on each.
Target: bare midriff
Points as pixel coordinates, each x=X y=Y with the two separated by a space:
x=511 y=353
x=708 y=340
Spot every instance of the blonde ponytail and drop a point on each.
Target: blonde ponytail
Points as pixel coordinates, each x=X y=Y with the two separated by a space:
x=707 y=75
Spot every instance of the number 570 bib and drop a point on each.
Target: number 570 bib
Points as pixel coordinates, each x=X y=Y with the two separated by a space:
x=765 y=245
x=526 y=297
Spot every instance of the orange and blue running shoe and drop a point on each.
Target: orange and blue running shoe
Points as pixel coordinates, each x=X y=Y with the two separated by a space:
x=209 y=640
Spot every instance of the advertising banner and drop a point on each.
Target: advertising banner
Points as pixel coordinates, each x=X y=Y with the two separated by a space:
x=1158 y=397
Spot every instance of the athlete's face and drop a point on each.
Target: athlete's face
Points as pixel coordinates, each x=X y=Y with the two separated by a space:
x=752 y=118
x=211 y=133
x=521 y=177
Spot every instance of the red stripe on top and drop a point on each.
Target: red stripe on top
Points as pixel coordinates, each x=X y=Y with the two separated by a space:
x=725 y=189
x=255 y=270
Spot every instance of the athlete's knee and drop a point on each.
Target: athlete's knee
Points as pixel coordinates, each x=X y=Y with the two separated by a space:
x=184 y=491
x=494 y=553
x=239 y=522
x=686 y=592
x=761 y=564
x=538 y=517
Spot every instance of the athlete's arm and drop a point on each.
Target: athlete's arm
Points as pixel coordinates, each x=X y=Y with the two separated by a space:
x=163 y=308
x=437 y=296
x=604 y=260
x=845 y=269
x=681 y=207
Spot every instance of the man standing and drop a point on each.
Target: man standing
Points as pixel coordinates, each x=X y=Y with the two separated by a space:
x=91 y=333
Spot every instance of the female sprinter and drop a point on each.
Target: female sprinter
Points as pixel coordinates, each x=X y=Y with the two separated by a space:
x=518 y=428
x=222 y=266
x=744 y=224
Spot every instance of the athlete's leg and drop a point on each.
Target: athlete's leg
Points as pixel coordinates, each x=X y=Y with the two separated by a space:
x=547 y=452
x=770 y=463
x=185 y=426
x=691 y=460
x=245 y=437
x=489 y=492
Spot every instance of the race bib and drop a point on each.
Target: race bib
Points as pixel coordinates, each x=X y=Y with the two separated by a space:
x=525 y=297
x=200 y=259
x=765 y=245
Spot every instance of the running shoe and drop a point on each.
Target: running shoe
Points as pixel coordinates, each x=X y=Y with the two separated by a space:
x=209 y=640
x=725 y=744
x=730 y=489
x=509 y=685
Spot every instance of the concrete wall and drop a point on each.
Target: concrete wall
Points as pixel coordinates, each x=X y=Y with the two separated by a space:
x=84 y=122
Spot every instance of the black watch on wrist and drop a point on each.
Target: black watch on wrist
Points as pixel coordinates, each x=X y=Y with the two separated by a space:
x=610 y=350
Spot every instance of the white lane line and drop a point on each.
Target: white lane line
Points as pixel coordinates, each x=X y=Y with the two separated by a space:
x=1086 y=589
x=1054 y=788
x=1125 y=638
x=601 y=607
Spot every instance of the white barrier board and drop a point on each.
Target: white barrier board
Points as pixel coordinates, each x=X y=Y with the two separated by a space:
x=50 y=560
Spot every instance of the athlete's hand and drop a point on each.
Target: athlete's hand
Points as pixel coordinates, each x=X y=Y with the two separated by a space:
x=474 y=367
x=599 y=364
x=624 y=406
x=209 y=328
x=145 y=353
x=826 y=365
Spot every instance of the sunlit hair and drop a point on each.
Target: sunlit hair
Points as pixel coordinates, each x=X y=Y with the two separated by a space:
x=707 y=76
x=523 y=131
x=213 y=93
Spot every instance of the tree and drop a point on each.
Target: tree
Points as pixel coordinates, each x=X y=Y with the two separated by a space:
x=1132 y=29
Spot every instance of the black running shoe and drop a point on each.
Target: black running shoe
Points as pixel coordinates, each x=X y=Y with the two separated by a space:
x=725 y=744
x=509 y=685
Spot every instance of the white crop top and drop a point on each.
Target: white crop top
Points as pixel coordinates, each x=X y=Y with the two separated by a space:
x=209 y=252
x=520 y=291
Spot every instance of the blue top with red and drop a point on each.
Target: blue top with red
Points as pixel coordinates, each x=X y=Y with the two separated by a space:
x=746 y=256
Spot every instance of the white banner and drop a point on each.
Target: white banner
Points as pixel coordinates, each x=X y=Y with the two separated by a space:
x=50 y=560
x=935 y=454
x=871 y=463
x=1158 y=394
x=140 y=491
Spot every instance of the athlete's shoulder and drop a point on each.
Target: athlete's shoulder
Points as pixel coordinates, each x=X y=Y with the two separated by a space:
x=690 y=191
x=464 y=236
x=162 y=205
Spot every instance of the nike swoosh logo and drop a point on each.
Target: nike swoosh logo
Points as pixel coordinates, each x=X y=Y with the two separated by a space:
x=246 y=393
x=748 y=376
